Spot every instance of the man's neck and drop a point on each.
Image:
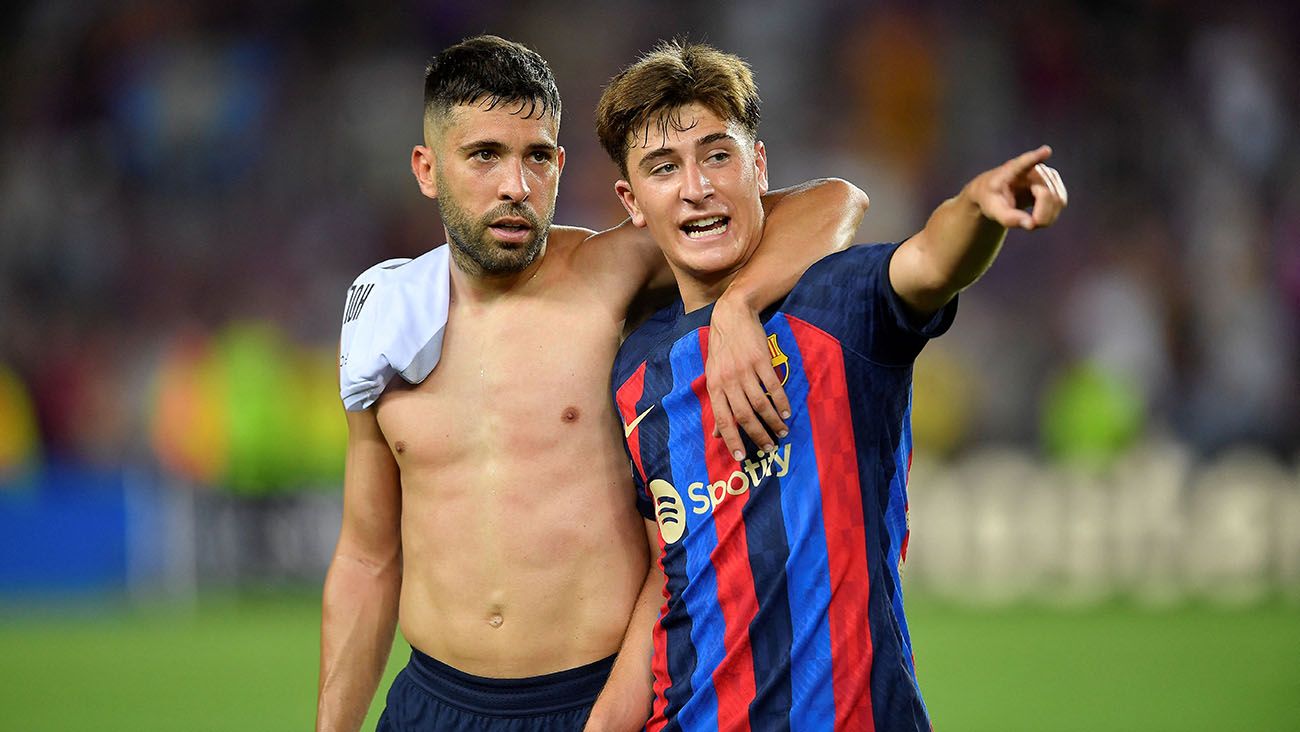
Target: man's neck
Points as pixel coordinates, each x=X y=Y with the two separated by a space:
x=473 y=286
x=697 y=293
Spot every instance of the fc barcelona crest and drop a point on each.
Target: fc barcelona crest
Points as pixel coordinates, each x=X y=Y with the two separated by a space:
x=780 y=361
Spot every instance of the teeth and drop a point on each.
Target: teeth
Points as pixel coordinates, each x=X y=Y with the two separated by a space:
x=709 y=232
x=706 y=222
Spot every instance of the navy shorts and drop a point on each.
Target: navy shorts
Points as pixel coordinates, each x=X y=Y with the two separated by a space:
x=430 y=695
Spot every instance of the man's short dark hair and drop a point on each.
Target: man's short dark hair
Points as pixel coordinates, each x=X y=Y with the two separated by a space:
x=489 y=69
x=673 y=75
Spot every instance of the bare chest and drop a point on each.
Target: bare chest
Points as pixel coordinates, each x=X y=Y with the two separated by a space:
x=512 y=384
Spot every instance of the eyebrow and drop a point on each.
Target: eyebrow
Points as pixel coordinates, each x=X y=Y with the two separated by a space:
x=662 y=152
x=497 y=145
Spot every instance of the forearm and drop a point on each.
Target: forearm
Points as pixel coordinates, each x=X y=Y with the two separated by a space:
x=624 y=703
x=805 y=223
x=358 y=619
x=965 y=233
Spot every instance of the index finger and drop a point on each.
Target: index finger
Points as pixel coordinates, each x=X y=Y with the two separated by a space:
x=1021 y=163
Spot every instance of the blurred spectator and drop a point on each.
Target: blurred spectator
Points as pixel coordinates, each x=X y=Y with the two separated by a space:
x=167 y=170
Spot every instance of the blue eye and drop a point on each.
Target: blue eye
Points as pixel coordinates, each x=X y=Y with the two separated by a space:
x=663 y=168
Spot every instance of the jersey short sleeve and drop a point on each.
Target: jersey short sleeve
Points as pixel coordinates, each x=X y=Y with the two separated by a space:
x=896 y=336
x=852 y=293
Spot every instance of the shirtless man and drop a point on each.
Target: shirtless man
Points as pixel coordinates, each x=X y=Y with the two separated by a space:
x=489 y=506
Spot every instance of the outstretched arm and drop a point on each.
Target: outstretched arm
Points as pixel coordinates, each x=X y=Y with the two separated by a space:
x=804 y=224
x=965 y=233
x=359 y=608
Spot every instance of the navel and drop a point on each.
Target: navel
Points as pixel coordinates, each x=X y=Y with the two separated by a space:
x=495 y=620
x=570 y=414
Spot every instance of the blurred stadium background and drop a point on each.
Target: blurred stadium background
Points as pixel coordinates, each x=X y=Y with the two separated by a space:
x=1106 y=494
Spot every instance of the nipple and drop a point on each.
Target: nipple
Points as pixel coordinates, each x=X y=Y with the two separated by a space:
x=570 y=414
x=399 y=447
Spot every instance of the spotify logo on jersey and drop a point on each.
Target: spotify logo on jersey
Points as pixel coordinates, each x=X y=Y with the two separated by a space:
x=707 y=497
x=668 y=510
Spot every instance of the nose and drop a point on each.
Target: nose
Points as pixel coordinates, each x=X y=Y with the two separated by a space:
x=696 y=186
x=513 y=186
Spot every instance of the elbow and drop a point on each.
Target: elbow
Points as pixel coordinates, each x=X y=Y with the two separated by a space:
x=848 y=197
x=856 y=198
x=853 y=203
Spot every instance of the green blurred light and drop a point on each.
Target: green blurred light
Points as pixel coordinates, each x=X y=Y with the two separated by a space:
x=1091 y=416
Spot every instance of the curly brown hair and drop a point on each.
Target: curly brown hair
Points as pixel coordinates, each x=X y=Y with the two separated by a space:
x=672 y=75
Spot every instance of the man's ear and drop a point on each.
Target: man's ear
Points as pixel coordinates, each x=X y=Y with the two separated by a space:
x=628 y=199
x=760 y=166
x=423 y=165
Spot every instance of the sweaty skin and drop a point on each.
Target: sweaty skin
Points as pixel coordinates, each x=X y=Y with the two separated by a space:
x=523 y=550
x=489 y=510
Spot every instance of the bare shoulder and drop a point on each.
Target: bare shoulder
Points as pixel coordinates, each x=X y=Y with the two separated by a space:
x=623 y=252
x=611 y=265
x=567 y=245
x=567 y=239
x=617 y=254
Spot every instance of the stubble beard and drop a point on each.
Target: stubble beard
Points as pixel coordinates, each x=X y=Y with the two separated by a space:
x=476 y=251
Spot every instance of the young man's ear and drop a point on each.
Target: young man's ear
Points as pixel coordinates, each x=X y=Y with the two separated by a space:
x=628 y=199
x=423 y=164
x=760 y=166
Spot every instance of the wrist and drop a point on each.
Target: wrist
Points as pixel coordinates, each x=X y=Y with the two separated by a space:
x=967 y=202
x=739 y=295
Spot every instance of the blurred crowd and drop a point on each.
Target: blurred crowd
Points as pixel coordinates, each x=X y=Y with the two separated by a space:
x=174 y=175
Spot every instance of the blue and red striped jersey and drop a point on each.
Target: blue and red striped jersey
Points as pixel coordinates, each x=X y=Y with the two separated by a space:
x=782 y=603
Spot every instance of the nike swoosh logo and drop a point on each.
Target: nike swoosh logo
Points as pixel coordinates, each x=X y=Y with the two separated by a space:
x=629 y=429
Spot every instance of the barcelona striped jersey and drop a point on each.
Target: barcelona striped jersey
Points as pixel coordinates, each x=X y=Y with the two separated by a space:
x=783 y=608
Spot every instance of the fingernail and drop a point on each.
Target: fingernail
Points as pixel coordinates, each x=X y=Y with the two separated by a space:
x=767 y=448
x=783 y=433
x=785 y=414
x=738 y=455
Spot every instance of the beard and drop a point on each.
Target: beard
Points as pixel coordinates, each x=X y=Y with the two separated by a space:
x=474 y=248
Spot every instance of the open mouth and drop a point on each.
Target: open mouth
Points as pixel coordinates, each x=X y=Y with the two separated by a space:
x=706 y=227
x=511 y=229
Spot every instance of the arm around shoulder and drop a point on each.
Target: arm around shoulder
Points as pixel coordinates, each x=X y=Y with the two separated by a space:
x=805 y=223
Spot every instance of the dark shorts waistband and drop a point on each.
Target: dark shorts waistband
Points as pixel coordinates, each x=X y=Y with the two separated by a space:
x=568 y=689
